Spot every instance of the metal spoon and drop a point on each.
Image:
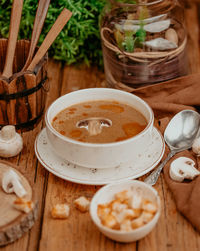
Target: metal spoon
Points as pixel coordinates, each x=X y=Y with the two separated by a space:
x=179 y=135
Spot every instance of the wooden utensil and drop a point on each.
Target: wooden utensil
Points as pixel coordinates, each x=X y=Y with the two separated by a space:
x=51 y=36
x=12 y=40
x=37 y=28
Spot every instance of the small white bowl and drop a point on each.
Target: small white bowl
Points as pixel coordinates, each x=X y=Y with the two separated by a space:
x=92 y=155
x=106 y=194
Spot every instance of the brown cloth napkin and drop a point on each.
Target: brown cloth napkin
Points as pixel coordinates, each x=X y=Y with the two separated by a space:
x=167 y=99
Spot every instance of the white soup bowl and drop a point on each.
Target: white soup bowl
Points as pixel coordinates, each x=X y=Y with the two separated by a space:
x=106 y=194
x=94 y=155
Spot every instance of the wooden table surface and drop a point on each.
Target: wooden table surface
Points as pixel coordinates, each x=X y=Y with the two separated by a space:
x=78 y=233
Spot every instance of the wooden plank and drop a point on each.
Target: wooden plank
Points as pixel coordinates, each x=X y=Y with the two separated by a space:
x=79 y=226
x=36 y=173
x=78 y=232
x=41 y=175
x=157 y=239
x=172 y=233
x=57 y=233
x=75 y=78
x=179 y=230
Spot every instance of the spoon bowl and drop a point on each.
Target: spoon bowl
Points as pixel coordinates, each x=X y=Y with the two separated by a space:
x=179 y=135
x=182 y=130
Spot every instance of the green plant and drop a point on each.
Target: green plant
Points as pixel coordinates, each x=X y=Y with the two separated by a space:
x=78 y=42
x=126 y=37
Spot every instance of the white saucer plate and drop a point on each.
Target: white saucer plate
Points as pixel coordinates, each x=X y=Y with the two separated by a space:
x=77 y=174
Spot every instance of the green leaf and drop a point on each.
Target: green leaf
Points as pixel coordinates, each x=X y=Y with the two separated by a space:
x=79 y=41
x=129 y=41
x=141 y=35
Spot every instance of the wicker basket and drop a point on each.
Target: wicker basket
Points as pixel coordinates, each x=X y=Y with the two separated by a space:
x=23 y=95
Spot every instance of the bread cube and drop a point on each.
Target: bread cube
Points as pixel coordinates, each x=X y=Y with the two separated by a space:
x=135 y=201
x=126 y=226
x=23 y=205
x=60 y=211
x=149 y=206
x=138 y=222
x=146 y=216
x=117 y=206
x=123 y=196
x=109 y=221
x=82 y=204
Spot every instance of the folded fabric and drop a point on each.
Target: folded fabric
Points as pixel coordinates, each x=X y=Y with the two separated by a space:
x=172 y=96
x=167 y=99
x=186 y=194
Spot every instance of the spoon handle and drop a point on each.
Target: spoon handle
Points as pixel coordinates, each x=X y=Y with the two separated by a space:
x=12 y=40
x=153 y=177
x=61 y=21
x=37 y=28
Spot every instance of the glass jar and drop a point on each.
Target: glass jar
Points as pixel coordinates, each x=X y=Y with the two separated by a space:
x=143 y=42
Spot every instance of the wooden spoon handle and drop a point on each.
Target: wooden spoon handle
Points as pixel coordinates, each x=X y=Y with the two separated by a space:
x=37 y=28
x=51 y=36
x=12 y=40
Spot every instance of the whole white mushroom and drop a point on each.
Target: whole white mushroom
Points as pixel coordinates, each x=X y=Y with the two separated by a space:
x=11 y=142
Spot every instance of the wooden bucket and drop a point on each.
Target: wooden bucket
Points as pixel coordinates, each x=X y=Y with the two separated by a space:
x=23 y=95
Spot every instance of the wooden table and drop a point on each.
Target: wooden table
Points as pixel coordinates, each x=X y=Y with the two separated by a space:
x=78 y=233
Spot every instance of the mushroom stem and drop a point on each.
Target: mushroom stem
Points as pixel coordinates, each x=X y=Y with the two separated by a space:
x=11 y=184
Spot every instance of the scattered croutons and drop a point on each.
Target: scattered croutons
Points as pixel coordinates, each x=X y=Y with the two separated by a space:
x=138 y=222
x=123 y=196
x=23 y=205
x=135 y=201
x=146 y=216
x=126 y=226
x=82 y=204
x=128 y=211
x=149 y=206
x=60 y=211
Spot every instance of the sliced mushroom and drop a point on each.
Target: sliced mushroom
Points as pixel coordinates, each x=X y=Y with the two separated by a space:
x=183 y=168
x=11 y=183
x=154 y=27
x=196 y=146
x=94 y=125
x=11 y=143
x=157 y=26
x=160 y=44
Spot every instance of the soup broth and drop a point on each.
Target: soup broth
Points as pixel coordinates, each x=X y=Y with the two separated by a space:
x=99 y=122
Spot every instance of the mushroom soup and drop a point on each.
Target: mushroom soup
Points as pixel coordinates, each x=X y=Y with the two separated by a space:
x=100 y=121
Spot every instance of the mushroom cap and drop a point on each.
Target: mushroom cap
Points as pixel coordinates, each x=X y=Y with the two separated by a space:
x=8 y=132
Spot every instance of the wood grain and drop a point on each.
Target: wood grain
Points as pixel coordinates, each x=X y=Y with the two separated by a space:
x=13 y=34
x=172 y=233
x=37 y=28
